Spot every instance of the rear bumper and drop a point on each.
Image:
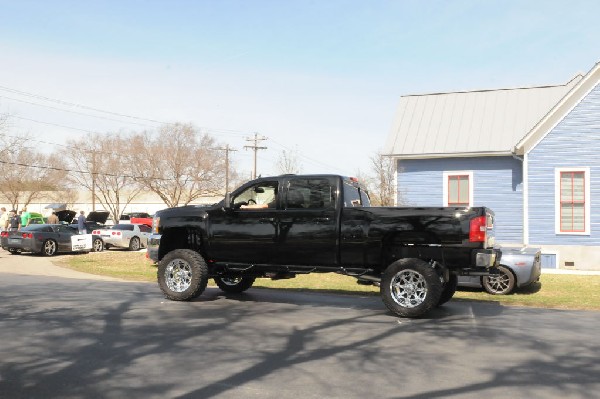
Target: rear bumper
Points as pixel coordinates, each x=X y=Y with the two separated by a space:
x=153 y=245
x=485 y=257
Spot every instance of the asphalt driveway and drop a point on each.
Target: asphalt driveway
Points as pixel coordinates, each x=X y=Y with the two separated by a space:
x=87 y=338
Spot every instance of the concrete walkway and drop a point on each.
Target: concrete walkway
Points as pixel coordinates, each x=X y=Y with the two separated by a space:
x=29 y=264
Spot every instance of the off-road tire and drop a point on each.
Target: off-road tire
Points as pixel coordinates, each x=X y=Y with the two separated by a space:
x=182 y=275
x=234 y=284
x=49 y=248
x=500 y=284
x=134 y=244
x=410 y=287
x=448 y=290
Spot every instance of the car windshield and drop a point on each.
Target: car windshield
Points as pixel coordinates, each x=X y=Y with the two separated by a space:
x=123 y=227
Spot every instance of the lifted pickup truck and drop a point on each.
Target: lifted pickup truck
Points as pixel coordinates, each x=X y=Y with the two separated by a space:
x=277 y=227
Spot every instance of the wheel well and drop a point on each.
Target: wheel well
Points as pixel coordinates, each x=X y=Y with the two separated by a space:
x=180 y=238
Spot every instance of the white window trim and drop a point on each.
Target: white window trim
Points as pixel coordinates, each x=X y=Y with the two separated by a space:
x=455 y=173
x=557 y=172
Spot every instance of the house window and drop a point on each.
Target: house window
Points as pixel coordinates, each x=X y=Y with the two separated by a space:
x=458 y=189
x=572 y=201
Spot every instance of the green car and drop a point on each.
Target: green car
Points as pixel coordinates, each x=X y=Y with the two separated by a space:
x=36 y=218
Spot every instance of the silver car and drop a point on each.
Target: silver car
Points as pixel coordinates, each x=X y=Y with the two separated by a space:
x=519 y=267
x=132 y=236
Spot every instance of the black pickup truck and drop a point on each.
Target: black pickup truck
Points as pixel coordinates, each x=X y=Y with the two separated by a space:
x=278 y=227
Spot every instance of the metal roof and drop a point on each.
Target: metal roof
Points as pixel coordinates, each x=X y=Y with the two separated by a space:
x=470 y=123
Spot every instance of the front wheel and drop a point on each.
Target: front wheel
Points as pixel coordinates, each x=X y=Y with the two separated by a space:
x=499 y=284
x=234 y=284
x=410 y=287
x=49 y=248
x=182 y=275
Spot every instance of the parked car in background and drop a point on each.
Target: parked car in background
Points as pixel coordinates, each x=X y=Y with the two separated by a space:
x=36 y=218
x=519 y=267
x=132 y=236
x=142 y=220
x=126 y=217
x=48 y=240
x=95 y=220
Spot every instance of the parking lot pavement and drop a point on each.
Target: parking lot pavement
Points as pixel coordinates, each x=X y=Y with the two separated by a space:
x=35 y=265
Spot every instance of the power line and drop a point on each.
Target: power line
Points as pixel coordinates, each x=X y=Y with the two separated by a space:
x=70 y=104
x=73 y=112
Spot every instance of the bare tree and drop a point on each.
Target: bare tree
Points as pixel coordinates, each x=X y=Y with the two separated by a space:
x=26 y=175
x=288 y=162
x=381 y=181
x=102 y=164
x=179 y=164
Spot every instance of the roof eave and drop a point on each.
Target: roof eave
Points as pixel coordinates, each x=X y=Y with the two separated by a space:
x=559 y=111
x=451 y=155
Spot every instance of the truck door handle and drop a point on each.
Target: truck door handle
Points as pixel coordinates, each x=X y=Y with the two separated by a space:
x=321 y=220
x=266 y=220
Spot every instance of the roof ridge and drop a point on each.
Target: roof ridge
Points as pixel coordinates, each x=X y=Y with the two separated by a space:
x=577 y=76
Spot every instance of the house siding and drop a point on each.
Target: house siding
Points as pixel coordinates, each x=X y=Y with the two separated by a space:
x=498 y=185
x=574 y=142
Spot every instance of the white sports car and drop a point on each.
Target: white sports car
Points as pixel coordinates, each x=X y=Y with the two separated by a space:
x=132 y=236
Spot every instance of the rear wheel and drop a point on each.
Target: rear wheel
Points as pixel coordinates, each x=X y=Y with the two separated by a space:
x=97 y=245
x=499 y=284
x=182 y=275
x=134 y=244
x=49 y=248
x=410 y=287
x=234 y=284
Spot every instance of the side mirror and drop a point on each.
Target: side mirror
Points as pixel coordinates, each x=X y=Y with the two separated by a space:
x=227 y=202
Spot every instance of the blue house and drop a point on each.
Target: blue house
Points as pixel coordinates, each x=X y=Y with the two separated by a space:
x=530 y=154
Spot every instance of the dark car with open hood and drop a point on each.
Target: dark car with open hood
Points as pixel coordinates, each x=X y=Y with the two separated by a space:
x=49 y=239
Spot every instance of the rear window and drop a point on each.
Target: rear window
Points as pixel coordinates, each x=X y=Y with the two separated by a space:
x=123 y=227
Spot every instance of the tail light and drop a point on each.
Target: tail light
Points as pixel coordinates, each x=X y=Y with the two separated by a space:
x=478 y=229
x=96 y=232
x=27 y=235
x=4 y=234
x=481 y=229
x=116 y=233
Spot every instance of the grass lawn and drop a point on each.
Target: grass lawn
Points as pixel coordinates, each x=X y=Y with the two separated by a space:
x=555 y=291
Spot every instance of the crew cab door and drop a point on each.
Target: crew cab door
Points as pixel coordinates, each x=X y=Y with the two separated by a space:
x=307 y=223
x=246 y=233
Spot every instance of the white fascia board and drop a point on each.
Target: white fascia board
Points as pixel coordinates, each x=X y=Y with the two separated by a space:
x=507 y=153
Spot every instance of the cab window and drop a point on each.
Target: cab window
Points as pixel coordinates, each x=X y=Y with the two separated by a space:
x=310 y=194
x=258 y=196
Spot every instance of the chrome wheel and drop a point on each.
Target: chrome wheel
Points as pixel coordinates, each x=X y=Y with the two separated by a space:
x=178 y=275
x=499 y=284
x=98 y=245
x=49 y=248
x=233 y=281
x=408 y=288
x=134 y=244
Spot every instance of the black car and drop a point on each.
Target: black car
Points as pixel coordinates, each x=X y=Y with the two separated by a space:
x=48 y=240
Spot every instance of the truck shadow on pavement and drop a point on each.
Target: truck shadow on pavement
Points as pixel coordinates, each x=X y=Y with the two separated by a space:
x=98 y=339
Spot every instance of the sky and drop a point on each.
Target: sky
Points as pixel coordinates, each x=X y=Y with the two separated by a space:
x=321 y=79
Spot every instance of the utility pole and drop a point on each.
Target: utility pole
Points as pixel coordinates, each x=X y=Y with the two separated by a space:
x=227 y=150
x=93 y=181
x=255 y=147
